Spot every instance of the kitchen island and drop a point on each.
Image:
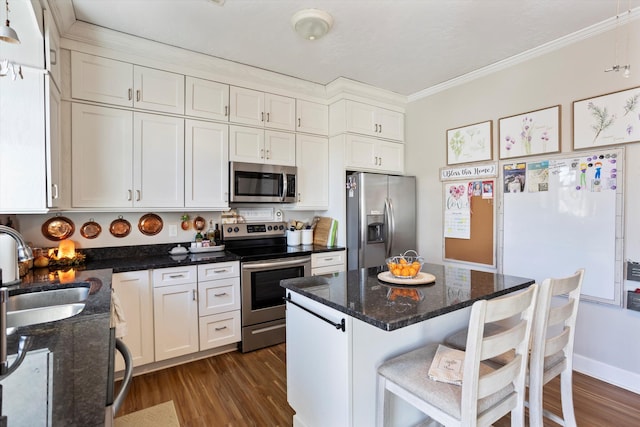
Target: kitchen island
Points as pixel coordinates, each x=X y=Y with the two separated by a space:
x=341 y=327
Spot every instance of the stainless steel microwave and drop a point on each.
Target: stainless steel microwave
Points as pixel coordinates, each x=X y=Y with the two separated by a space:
x=260 y=183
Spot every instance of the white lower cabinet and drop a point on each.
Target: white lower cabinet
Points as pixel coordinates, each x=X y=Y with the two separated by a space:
x=175 y=305
x=328 y=262
x=219 y=304
x=135 y=294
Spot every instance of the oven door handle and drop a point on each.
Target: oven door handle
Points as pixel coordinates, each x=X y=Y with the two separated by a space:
x=271 y=264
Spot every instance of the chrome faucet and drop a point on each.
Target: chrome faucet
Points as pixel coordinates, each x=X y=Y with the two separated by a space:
x=24 y=251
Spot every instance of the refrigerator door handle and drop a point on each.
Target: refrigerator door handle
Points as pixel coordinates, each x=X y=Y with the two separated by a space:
x=391 y=226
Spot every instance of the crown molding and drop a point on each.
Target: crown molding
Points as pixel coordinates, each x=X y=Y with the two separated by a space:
x=583 y=34
x=343 y=88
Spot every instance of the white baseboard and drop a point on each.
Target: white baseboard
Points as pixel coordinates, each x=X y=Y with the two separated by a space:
x=607 y=373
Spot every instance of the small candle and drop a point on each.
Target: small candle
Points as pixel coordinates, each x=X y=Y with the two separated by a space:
x=66 y=249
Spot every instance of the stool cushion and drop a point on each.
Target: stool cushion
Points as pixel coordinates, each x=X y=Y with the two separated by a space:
x=410 y=371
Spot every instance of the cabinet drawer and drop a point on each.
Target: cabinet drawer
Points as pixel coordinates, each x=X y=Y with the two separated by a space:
x=327 y=258
x=219 y=270
x=219 y=329
x=174 y=276
x=218 y=296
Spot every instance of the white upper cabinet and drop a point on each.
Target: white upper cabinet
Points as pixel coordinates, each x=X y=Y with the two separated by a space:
x=52 y=48
x=364 y=153
x=94 y=78
x=255 y=108
x=158 y=160
x=312 y=159
x=207 y=99
x=312 y=117
x=126 y=159
x=206 y=165
x=357 y=117
x=101 y=156
x=259 y=146
x=99 y=79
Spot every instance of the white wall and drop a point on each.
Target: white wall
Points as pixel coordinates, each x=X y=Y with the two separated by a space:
x=607 y=344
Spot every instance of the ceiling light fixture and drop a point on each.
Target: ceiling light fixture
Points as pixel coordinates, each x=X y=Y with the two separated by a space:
x=8 y=34
x=617 y=67
x=311 y=23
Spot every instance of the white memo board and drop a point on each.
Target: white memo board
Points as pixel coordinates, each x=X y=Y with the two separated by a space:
x=577 y=223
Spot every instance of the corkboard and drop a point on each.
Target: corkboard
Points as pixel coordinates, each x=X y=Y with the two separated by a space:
x=480 y=247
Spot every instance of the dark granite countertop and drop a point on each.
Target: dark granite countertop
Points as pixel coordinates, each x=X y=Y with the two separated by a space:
x=78 y=351
x=361 y=295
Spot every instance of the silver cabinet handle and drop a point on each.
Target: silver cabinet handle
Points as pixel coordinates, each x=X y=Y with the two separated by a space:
x=380 y=128
x=226 y=111
x=268 y=117
x=53 y=55
x=176 y=276
x=221 y=329
x=195 y=295
x=299 y=122
x=328 y=259
x=262 y=153
x=130 y=91
x=226 y=196
x=268 y=155
x=262 y=116
x=129 y=194
x=376 y=125
x=380 y=159
x=220 y=295
x=138 y=195
x=55 y=190
x=138 y=95
x=220 y=270
x=298 y=197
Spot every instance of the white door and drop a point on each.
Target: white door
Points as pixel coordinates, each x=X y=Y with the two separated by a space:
x=312 y=117
x=158 y=90
x=247 y=106
x=158 y=161
x=361 y=118
x=390 y=124
x=312 y=159
x=101 y=156
x=206 y=165
x=280 y=112
x=134 y=292
x=246 y=144
x=360 y=152
x=53 y=145
x=100 y=79
x=175 y=320
x=207 y=99
x=391 y=156
x=279 y=148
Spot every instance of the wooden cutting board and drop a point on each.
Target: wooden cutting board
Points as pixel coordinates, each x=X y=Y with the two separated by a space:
x=322 y=230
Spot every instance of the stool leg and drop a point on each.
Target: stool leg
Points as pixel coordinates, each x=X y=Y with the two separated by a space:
x=382 y=405
x=566 y=394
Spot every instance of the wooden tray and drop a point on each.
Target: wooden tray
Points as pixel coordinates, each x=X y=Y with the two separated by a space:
x=421 y=279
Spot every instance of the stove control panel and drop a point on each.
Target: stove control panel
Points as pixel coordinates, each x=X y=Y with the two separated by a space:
x=254 y=230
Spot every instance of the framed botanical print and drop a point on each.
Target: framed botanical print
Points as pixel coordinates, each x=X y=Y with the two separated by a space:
x=607 y=119
x=527 y=134
x=472 y=143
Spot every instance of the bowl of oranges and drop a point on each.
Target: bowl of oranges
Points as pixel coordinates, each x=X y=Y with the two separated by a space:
x=406 y=265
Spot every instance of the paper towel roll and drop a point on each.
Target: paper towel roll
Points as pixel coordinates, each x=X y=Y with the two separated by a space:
x=8 y=259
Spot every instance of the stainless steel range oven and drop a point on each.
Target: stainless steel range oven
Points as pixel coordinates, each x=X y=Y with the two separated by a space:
x=265 y=260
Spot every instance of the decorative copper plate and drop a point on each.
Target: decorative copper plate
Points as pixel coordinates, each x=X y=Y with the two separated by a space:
x=58 y=228
x=150 y=224
x=90 y=229
x=120 y=227
x=199 y=223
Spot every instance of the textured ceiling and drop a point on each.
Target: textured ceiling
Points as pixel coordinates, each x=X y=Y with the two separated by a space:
x=404 y=46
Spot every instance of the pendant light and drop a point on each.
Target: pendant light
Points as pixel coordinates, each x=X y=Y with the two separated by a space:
x=8 y=34
x=311 y=24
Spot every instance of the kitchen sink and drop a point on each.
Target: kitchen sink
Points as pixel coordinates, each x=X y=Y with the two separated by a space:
x=48 y=298
x=45 y=306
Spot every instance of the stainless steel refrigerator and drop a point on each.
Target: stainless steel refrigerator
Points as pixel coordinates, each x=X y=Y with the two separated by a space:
x=381 y=217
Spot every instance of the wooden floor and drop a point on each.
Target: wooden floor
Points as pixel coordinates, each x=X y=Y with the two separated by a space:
x=236 y=389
